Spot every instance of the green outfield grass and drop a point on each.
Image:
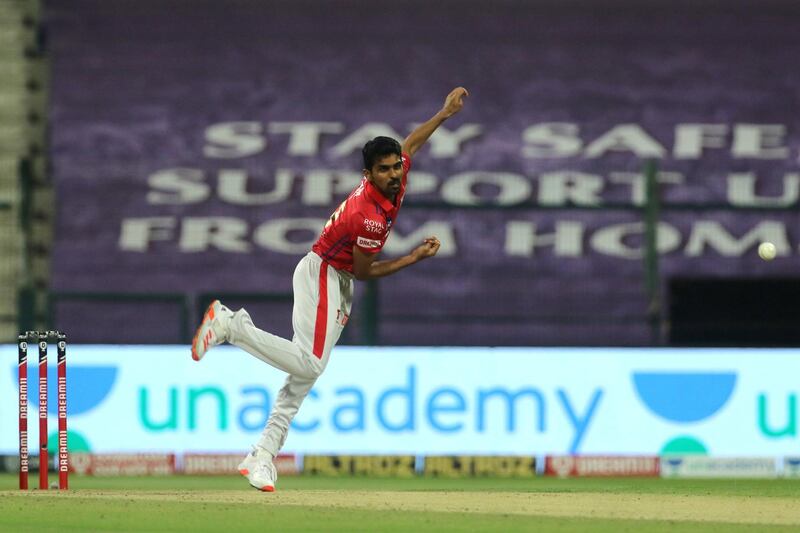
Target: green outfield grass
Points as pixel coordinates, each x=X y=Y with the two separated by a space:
x=183 y=503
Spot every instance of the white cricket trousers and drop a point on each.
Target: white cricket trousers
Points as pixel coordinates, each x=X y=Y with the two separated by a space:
x=322 y=299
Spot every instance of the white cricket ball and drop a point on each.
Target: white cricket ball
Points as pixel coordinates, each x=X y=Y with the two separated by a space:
x=54 y=485
x=767 y=251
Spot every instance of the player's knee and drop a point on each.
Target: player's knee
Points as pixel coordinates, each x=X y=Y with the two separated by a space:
x=314 y=370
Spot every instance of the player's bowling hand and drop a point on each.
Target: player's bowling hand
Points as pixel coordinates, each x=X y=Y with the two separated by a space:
x=454 y=101
x=428 y=248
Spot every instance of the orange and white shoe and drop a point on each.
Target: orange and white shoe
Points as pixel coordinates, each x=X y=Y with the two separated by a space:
x=213 y=330
x=259 y=470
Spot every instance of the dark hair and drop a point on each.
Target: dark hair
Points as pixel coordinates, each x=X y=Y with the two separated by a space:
x=380 y=147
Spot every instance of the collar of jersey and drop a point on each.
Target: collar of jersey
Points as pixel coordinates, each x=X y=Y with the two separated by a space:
x=378 y=197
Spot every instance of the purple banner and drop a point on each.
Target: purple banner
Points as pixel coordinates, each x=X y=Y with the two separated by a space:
x=199 y=147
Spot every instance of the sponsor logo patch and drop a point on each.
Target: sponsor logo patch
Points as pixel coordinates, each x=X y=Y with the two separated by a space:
x=368 y=243
x=374 y=226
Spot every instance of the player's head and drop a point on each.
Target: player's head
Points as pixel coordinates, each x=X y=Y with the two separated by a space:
x=379 y=147
x=383 y=164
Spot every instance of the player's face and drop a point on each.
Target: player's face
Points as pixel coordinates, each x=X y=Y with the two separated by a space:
x=386 y=174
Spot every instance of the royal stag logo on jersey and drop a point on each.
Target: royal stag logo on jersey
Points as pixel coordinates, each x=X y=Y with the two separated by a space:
x=374 y=226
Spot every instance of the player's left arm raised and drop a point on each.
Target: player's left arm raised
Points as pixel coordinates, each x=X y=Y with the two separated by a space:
x=452 y=105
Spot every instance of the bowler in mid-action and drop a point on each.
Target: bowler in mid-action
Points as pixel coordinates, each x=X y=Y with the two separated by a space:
x=323 y=286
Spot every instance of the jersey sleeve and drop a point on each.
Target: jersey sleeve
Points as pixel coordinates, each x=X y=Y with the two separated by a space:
x=367 y=233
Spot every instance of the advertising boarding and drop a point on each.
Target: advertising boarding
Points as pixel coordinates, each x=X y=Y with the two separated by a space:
x=430 y=401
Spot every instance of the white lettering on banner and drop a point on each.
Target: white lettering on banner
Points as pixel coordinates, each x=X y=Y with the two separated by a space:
x=368 y=243
x=136 y=234
x=512 y=188
x=691 y=139
x=564 y=238
x=304 y=137
x=638 y=183
x=551 y=139
x=182 y=186
x=522 y=238
x=231 y=140
x=177 y=186
x=561 y=188
x=712 y=234
x=447 y=143
x=567 y=237
x=227 y=140
x=423 y=183
x=325 y=187
x=322 y=187
x=233 y=188
x=562 y=139
x=759 y=141
x=626 y=138
x=227 y=234
x=283 y=235
x=742 y=191
x=275 y=234
x=611 y=240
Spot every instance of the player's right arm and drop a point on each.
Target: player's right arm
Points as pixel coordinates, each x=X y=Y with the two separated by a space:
x=366 y=267
x=452 y=105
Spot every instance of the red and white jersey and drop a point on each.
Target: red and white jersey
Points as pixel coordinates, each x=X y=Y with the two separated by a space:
x=363 y=220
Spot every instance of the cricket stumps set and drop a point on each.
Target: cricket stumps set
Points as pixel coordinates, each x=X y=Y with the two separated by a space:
x=41 y=338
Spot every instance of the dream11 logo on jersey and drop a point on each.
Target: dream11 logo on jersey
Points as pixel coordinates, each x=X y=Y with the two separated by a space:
x=368 y=243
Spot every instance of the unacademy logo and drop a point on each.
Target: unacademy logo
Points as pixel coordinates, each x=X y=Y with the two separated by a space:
x=684 y=398
x=87 y=387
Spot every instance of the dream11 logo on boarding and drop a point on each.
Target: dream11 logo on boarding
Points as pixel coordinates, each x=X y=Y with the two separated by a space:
x=87 y=387
x=684 y=398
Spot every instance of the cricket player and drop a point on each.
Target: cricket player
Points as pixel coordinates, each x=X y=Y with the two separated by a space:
x=323 y=286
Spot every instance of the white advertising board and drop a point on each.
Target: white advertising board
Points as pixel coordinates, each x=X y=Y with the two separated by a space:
x=724 y=402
